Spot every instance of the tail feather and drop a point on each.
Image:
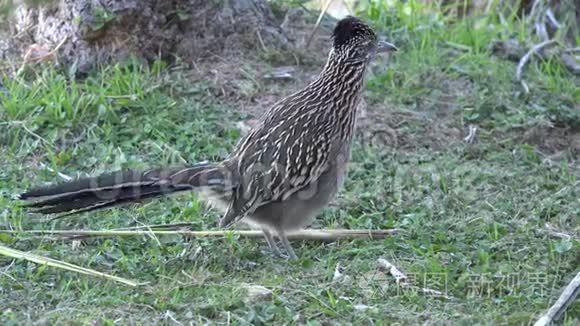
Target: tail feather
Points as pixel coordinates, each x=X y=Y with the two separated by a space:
x=103 y=182
x=122 y=187
x=76 y=207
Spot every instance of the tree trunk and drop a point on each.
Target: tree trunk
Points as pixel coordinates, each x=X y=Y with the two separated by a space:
x=84 y=33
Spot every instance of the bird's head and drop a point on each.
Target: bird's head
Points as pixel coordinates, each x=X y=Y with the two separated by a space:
x=353 y=40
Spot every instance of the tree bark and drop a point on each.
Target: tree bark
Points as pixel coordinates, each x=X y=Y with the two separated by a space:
x=85 y=33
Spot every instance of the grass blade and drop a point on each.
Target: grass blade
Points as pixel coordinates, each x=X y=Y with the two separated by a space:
x=5 y=251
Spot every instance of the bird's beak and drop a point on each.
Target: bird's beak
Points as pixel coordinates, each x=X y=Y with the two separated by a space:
x=383 y=46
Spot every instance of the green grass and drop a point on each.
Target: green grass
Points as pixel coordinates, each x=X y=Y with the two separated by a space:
x=473 y=215
x=438 y=48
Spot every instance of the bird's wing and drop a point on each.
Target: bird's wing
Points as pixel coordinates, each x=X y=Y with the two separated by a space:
x=282 y=155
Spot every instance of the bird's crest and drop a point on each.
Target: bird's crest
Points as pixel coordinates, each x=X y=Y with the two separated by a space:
x=349 y=30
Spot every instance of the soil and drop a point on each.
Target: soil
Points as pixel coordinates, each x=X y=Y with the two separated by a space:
x=244 y=83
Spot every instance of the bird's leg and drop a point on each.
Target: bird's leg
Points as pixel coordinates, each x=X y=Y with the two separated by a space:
x=287 y=246
x=271 y=243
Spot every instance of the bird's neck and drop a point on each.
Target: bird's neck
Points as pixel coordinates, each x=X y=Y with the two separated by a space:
x=342 y=77
x=341 y=84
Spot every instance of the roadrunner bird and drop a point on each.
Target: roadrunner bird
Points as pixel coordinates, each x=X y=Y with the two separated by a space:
x=279 y=176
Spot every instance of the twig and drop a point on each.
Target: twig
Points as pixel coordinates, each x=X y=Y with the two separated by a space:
x=60 y=174
x=572 y=50
x=320 y=235
x=39 y=59
x=399 y=276
x=169 y=315
x=542 y=31
x=552 y=18
x=534 y=50
x=172 y=226
x=553 y=232
x=403 y=281
x=535 y=8
x=570 y=62
x=4 y=272
x=264 y=48
x=472 y=133
x=324 y=10
x=565 y=299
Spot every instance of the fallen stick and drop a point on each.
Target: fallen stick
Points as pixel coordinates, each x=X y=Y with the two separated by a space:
x=403 y=281
x=534 y=50
x=472 y=133
x=399 y=276
x=171 y=226
x=560 y=306
x=320 y=235
x=555 y=233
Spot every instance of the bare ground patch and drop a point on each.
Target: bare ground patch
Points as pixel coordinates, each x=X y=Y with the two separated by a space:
x=434 y=122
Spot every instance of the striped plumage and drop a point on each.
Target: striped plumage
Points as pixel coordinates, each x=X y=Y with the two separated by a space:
x=280 y=175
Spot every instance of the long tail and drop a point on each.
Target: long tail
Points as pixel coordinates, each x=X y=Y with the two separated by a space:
x=127 y=186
